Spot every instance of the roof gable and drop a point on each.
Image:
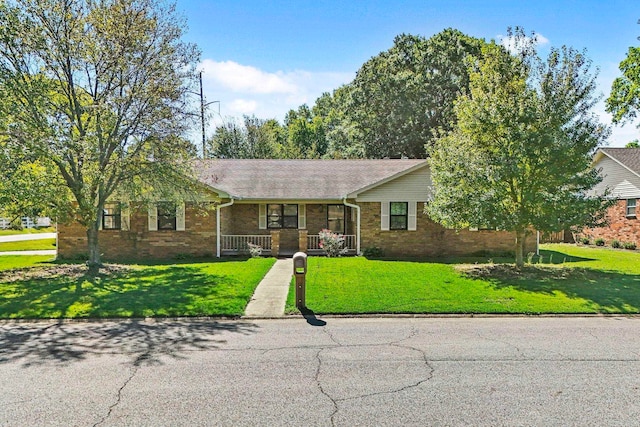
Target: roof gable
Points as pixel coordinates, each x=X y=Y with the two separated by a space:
x=251 y=179
x=628 y=158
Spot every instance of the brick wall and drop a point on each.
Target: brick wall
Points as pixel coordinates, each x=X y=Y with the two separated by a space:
x=431 y=239
x=198 y=239
x=620 y=227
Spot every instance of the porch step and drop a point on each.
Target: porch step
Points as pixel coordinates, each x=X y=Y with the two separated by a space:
x=270 y=296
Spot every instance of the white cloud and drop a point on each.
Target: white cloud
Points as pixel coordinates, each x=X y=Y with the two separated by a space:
x=510 y=42
x=243 y=106
x=246 y=79
x=246 y=89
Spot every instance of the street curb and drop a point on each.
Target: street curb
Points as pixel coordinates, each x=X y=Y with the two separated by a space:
x=324 y=316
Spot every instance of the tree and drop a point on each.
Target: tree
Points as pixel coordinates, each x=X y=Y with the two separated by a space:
x=99 y=89
x=624 y=101
x=633 y=144
x=253 y=139
x=519 y=157
x=306 y=137
x=402 y=97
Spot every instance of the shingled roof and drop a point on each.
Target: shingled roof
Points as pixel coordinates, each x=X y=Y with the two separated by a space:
x=299 y=179
x=627 y=157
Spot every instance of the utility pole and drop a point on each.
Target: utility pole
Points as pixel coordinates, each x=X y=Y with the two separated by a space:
x=203 y=105
x=204 y=142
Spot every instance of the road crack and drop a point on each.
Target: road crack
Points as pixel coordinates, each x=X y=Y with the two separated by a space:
x=322 y=390
x=134 y=370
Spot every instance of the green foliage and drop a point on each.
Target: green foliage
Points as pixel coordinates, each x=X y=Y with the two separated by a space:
x=629 y=245
x=373 y=252
x=402 y=97
x=305 y=134
x=616 y=244
x=253 y=139
x=599 y=241
x=99 y=90
x=519 y=157
x=585 y=240
x=624 y=101
x=633 y=144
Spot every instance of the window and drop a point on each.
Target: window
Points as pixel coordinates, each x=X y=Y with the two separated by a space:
x=631 y=208
x=399 y=213
x=166 y=216
x=111 y=216
x=335 y=218
x=282 y=216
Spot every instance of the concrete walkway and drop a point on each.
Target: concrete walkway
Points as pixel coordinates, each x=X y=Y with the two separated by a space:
x=51 y=252
x=270 y=296
x=23 y=237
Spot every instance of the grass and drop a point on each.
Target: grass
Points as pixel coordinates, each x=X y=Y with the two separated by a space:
x=10 y=262
x=28 y=245
x=569 y=279
x=28 y=231
x=58 y=290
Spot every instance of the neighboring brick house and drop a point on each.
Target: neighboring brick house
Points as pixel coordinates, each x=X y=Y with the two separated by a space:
x=281 y=205
x=620 y=171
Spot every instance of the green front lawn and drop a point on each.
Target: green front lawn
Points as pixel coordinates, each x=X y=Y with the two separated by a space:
x=28 y=245
x=59 y=290
x=9 y=262
x=570 y=279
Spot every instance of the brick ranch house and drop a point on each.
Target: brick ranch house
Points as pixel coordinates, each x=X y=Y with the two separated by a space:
x=281 y=205
x=620 y=170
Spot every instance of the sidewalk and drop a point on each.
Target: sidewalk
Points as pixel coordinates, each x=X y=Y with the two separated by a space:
x=270 y=296
x=22 y=237
x=51 y=252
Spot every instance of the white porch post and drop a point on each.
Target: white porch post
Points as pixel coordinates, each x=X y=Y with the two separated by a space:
x=218 y=226
x=357 y=208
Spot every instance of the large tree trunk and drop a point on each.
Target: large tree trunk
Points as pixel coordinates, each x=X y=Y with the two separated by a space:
x=520 y=236
x=94 y=248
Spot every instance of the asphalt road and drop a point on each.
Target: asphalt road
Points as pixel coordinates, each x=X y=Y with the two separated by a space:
x=345 y=372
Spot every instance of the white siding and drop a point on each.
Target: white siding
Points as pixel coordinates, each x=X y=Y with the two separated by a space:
x=412 y=187
x=623 y=183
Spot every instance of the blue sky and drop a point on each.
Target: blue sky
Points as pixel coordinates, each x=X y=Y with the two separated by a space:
x=266 y=57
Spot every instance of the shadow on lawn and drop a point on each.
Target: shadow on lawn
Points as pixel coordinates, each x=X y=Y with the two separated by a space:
x=143 y=292
x=546 y=257
x=608 y=291
x=147 y=342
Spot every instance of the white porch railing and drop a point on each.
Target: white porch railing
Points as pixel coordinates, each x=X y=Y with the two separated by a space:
x=4 y=223
x=313 y=242
x=237 y=243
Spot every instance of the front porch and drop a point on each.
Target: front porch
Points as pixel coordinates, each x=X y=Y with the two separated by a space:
x=282 y=229
x=270 y=244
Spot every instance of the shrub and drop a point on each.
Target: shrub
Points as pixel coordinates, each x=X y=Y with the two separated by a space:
x=373 y=252
x=585 y=240
x=599 y=241
x=616 y=244
x=629 y=245
x=16 y=224
x=254 y=250
x=332 y=243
